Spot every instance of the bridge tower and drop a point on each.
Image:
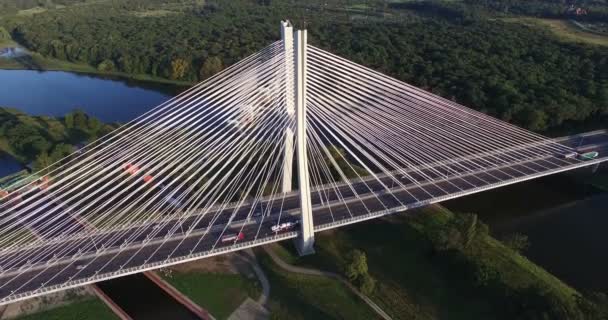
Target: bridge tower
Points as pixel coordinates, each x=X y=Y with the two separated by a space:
x=295 y=44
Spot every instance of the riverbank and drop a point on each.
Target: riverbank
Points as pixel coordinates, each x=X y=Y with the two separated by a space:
x=563 y=218
x=414 y=280
x=296 y=296
x=35 y=61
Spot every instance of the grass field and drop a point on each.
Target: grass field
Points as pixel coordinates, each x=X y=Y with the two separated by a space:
x=219 y=293
x=91 y=309
x=295 y=296
x=563 y=29
x=409 y=285
x=413 y=285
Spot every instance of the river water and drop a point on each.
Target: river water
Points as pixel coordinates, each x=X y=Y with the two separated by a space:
x=564 y=218
x=56 y=93
x=8 y=165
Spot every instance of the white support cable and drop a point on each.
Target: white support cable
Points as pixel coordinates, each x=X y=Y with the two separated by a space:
x=317 y=144
x=226 y=226
x=157 y=109
x=368 y=119
x=420 y=94
x=401 y=169
x=352 y=79
x=343 y=176
x=325 y=128
x=334 y=82
x=355 y=132
x=406 y=121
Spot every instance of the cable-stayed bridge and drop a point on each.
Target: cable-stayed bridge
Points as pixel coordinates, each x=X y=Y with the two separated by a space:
x=290 y=141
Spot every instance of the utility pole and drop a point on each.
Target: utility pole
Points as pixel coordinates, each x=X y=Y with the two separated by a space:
x=295 y=60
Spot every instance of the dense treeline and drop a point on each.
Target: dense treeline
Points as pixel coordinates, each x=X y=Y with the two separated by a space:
x=43 y=139
x=590 y=10
x=507 y=70
x=460 y=243
x=180 y=46
x=515 y=72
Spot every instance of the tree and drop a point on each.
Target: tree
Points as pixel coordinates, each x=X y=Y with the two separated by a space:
x=367 y=284
x=357 y=272
x=357 y=265
x=42 y=161
x=61 y=151
x=179 y=67
x=469 y=228
x=80 y=120
x=106 y=65
x=210 y=67
x=69 y=120
x=94 y=125
x=4 y=35
x=517 y=241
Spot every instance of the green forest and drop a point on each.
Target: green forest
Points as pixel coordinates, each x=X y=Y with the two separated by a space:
x=460 y=50
x=46 y=140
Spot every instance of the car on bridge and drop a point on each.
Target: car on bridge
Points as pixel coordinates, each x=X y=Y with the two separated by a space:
x=232 y=237
x=589 y=155
x=284 y=226
x=569 y=155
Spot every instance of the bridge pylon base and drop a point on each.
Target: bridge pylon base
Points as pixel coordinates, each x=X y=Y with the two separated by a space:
x=305 y=246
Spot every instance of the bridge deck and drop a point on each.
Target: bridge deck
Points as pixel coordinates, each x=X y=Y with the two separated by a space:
x=52 y=267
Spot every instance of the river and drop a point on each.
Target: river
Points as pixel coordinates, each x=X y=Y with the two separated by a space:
x=564 y=218
x=8 y=165
x=55 y=93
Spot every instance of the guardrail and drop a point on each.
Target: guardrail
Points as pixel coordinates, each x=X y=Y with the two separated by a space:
x=454 y=195
x=43 y=289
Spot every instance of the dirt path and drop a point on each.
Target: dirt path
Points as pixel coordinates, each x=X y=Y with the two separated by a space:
x=250 y=309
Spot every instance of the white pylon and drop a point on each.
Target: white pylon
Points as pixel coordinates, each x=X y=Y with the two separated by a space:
x=287 y=37
x=295 y=59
